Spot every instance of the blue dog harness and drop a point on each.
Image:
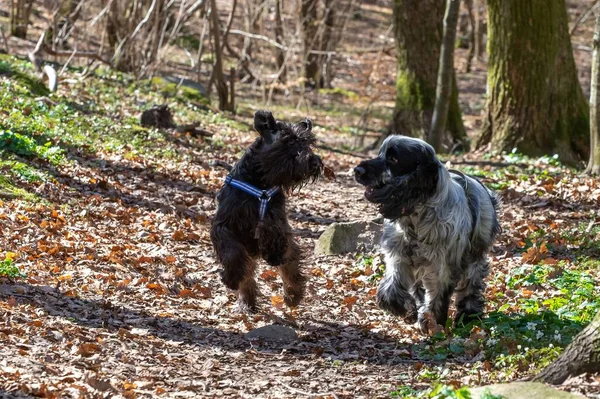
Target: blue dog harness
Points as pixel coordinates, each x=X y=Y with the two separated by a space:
x=263 y=195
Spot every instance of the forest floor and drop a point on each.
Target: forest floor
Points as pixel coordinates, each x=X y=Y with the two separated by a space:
x=110 y=287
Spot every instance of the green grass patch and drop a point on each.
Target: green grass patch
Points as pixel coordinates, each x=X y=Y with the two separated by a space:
x=338 y=91
x=9 y=191
x=10 y=270
x=539 y=312
x=439 y=391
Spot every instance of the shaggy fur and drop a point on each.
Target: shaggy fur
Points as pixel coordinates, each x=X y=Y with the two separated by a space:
x=280 y=157
x=439 y=227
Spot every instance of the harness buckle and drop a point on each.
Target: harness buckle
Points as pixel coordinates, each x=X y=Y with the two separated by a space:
x=264 y=196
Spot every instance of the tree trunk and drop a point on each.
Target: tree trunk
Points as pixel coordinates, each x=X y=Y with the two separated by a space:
x=535 y=102
x=279 y=39
x=309 y=28
x=581 y=356
x=479 y=48
x=19 y=17
x=594 y=162
x=220 y=84
x=418 y=31
x=445 y=78
x=327 y=41
x=472 y=34
x=157 y=30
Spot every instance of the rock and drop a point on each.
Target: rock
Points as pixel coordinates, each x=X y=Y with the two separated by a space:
x=273 y=333
x=342 y=238
x=520 y=390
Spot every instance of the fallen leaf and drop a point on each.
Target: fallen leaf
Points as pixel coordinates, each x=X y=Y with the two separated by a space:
x=178 y=235
x=349 y=301
x=88 y=349
x=277 y=302
x=269 y=275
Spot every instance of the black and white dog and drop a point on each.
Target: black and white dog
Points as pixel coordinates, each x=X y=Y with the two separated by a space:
x=439 y=227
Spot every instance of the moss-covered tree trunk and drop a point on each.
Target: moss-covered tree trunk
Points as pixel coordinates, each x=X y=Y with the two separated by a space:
x=535 y=102
x=581 y=356
x=593 y=167
x=418 y=30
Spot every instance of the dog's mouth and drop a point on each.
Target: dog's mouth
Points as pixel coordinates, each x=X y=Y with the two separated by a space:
x=373 y=189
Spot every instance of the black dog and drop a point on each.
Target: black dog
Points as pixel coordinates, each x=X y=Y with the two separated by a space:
x=251 y=221
x=439 y=227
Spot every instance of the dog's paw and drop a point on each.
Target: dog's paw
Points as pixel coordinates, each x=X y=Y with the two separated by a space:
x=398 y=305
x=292 y=298
x=428 y=324
x=244 y=307
x=410 y=317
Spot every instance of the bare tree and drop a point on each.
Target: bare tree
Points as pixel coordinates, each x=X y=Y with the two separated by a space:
x=593 y=166
x=445 y=78
x=309 y=28
x=20 y=11
x=219 y=78
x=279 y=39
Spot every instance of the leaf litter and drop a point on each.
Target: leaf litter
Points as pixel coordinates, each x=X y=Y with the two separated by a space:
x=121 y=294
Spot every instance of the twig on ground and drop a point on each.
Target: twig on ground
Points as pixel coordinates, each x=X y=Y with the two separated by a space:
x=310 y=394
x=64 y=68
x=590 y=225
x=86 y=54
x=490 y=163
x=45 y=100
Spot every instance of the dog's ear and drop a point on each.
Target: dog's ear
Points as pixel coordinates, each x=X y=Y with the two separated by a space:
x=306 y=124
x=266 y=126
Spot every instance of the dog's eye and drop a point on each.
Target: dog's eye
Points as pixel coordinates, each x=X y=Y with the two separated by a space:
x=392 y=160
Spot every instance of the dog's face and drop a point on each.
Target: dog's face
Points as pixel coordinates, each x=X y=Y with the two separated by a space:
x=286 y=157
x=404 y=174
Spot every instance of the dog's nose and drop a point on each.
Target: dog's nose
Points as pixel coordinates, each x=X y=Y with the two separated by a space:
x=359 y=171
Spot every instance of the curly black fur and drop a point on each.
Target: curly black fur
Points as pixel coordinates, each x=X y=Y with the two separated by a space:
x=281 y=157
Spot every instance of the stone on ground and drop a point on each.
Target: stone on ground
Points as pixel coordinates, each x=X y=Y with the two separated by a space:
x=343 y=238
x=273 y=333
x=520 y=390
